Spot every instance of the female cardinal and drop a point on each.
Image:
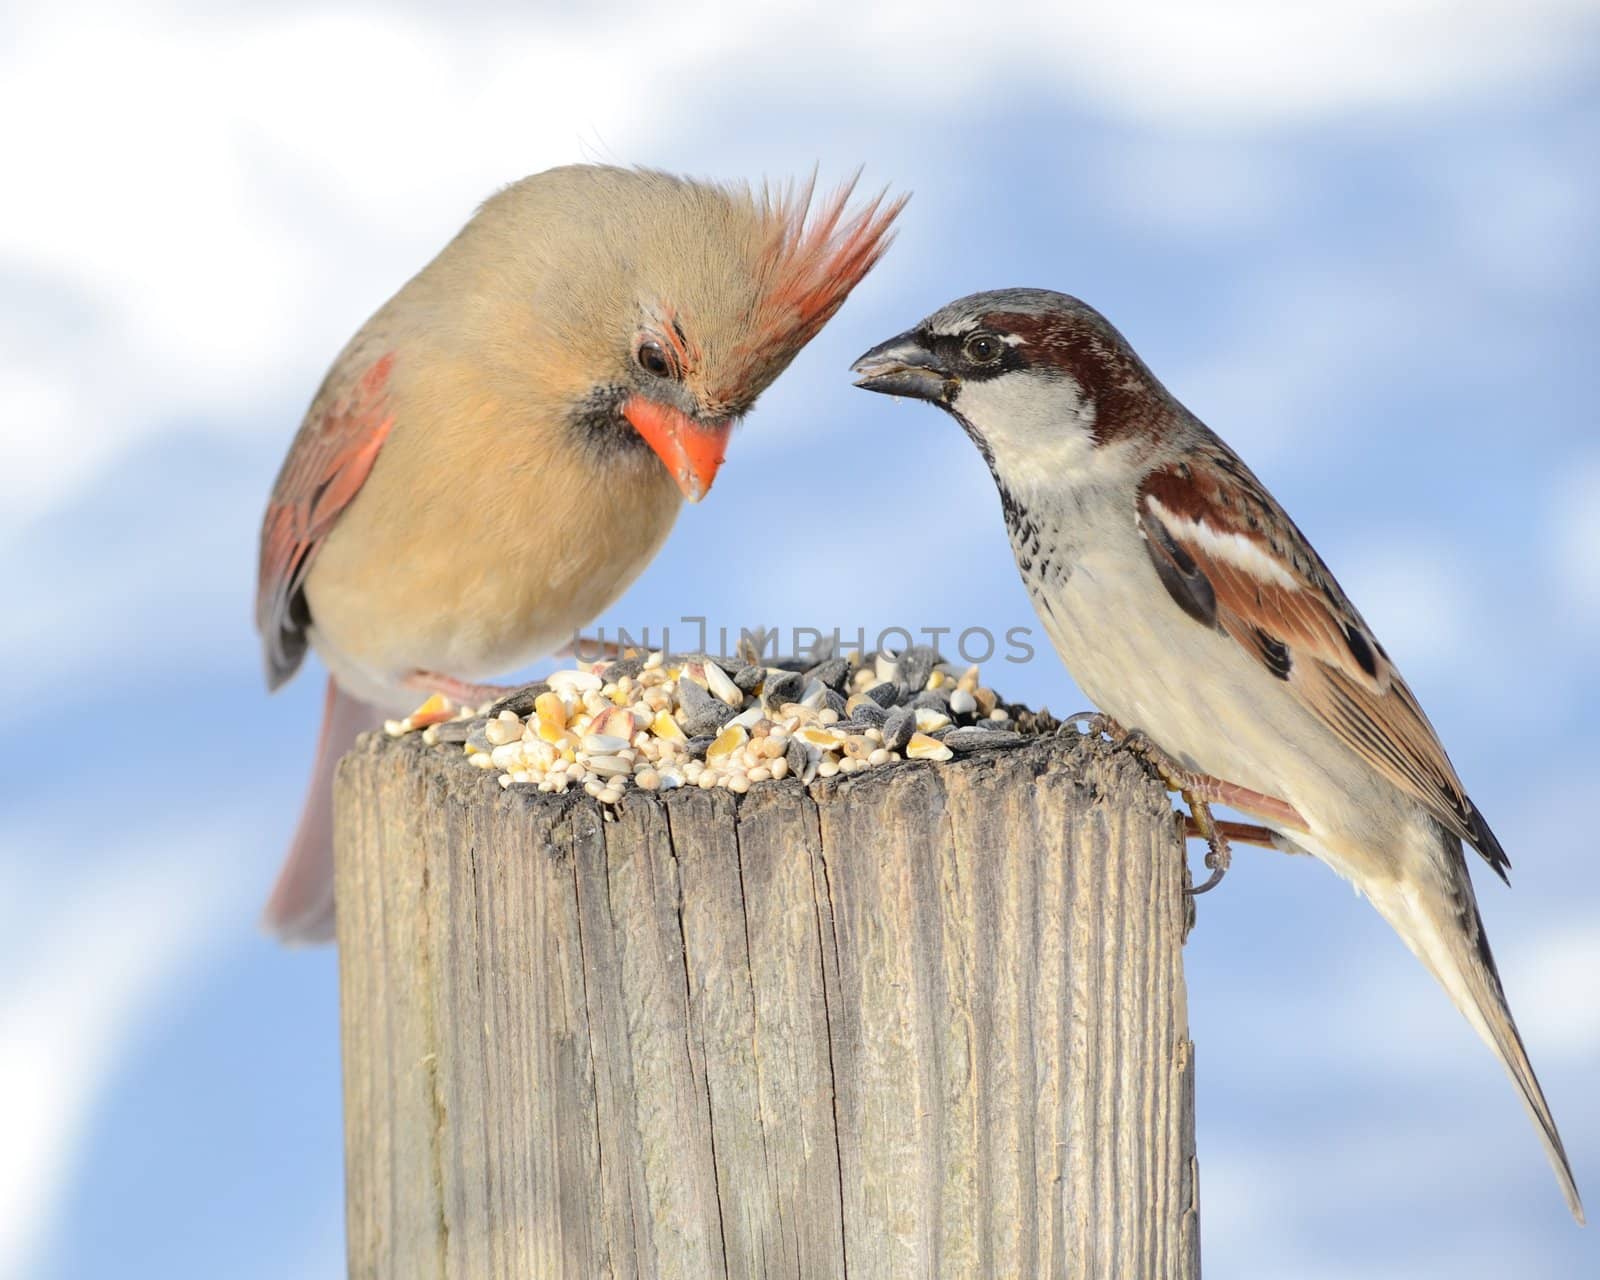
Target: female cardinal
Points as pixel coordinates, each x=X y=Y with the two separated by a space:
x=501 y=449
x=1188 y=606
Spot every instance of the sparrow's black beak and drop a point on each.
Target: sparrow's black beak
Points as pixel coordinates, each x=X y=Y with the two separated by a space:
x=902 y=366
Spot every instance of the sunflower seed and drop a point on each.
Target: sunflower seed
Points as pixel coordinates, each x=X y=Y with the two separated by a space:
x=702 y=714
x=783 y=687
x=975 y=739
x=885 y=694
x=454 y=731
x=834 y=673
x=869 y=712
x=916 y=665
x=624 y=667
x=898 y=726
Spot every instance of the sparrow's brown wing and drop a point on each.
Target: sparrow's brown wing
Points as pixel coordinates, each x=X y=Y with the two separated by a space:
x=1233 y=559
x=327 y=465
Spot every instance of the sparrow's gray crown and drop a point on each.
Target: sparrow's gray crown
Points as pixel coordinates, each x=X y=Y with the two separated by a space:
x=966 y=314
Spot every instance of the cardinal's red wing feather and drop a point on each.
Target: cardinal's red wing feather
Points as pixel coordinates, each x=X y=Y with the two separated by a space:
x=326 y=467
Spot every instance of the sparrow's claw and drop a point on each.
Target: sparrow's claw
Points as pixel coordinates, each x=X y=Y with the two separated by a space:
x=1096 y=723
x=1221 y=837
x=1218 y=857
x=1240 y=833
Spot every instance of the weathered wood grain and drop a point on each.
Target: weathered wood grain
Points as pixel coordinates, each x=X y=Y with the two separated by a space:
x=928 y=1021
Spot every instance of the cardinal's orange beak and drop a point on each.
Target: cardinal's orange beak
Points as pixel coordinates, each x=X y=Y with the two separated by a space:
x=692 y=451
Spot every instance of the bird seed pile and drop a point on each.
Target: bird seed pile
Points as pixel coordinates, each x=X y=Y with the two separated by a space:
x=660 y=722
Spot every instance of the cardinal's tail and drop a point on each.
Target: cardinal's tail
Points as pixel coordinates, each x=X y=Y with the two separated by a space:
x=301 y=906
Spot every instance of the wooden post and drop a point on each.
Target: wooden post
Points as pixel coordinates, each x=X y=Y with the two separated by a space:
x=927 y=1021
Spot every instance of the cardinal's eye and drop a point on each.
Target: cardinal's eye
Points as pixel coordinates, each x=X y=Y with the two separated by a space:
x=983 y=348
x=653 y=360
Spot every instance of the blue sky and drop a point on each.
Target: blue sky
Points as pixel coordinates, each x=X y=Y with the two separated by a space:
x=1357 y=239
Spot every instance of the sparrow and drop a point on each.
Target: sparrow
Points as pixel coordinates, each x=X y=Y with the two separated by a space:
x=1190 y=609
x=503 y=447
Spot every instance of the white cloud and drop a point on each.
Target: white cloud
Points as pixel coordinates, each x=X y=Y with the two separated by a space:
x=1573 y=515
x=85 y=971
x=1558 y=992
x=1258 y=62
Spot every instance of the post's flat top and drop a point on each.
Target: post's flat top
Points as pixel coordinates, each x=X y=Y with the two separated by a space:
x=1062 y=751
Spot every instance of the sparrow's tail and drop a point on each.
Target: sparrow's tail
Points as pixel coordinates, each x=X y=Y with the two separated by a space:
x=301 y=906
x=1438 y=919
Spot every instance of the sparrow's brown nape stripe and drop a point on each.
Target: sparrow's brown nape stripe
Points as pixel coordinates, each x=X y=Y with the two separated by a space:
x=504 y=445
x=1189 y=607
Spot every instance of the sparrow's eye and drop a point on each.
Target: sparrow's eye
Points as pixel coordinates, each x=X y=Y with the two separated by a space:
x=653 y=359
x=983 y=348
